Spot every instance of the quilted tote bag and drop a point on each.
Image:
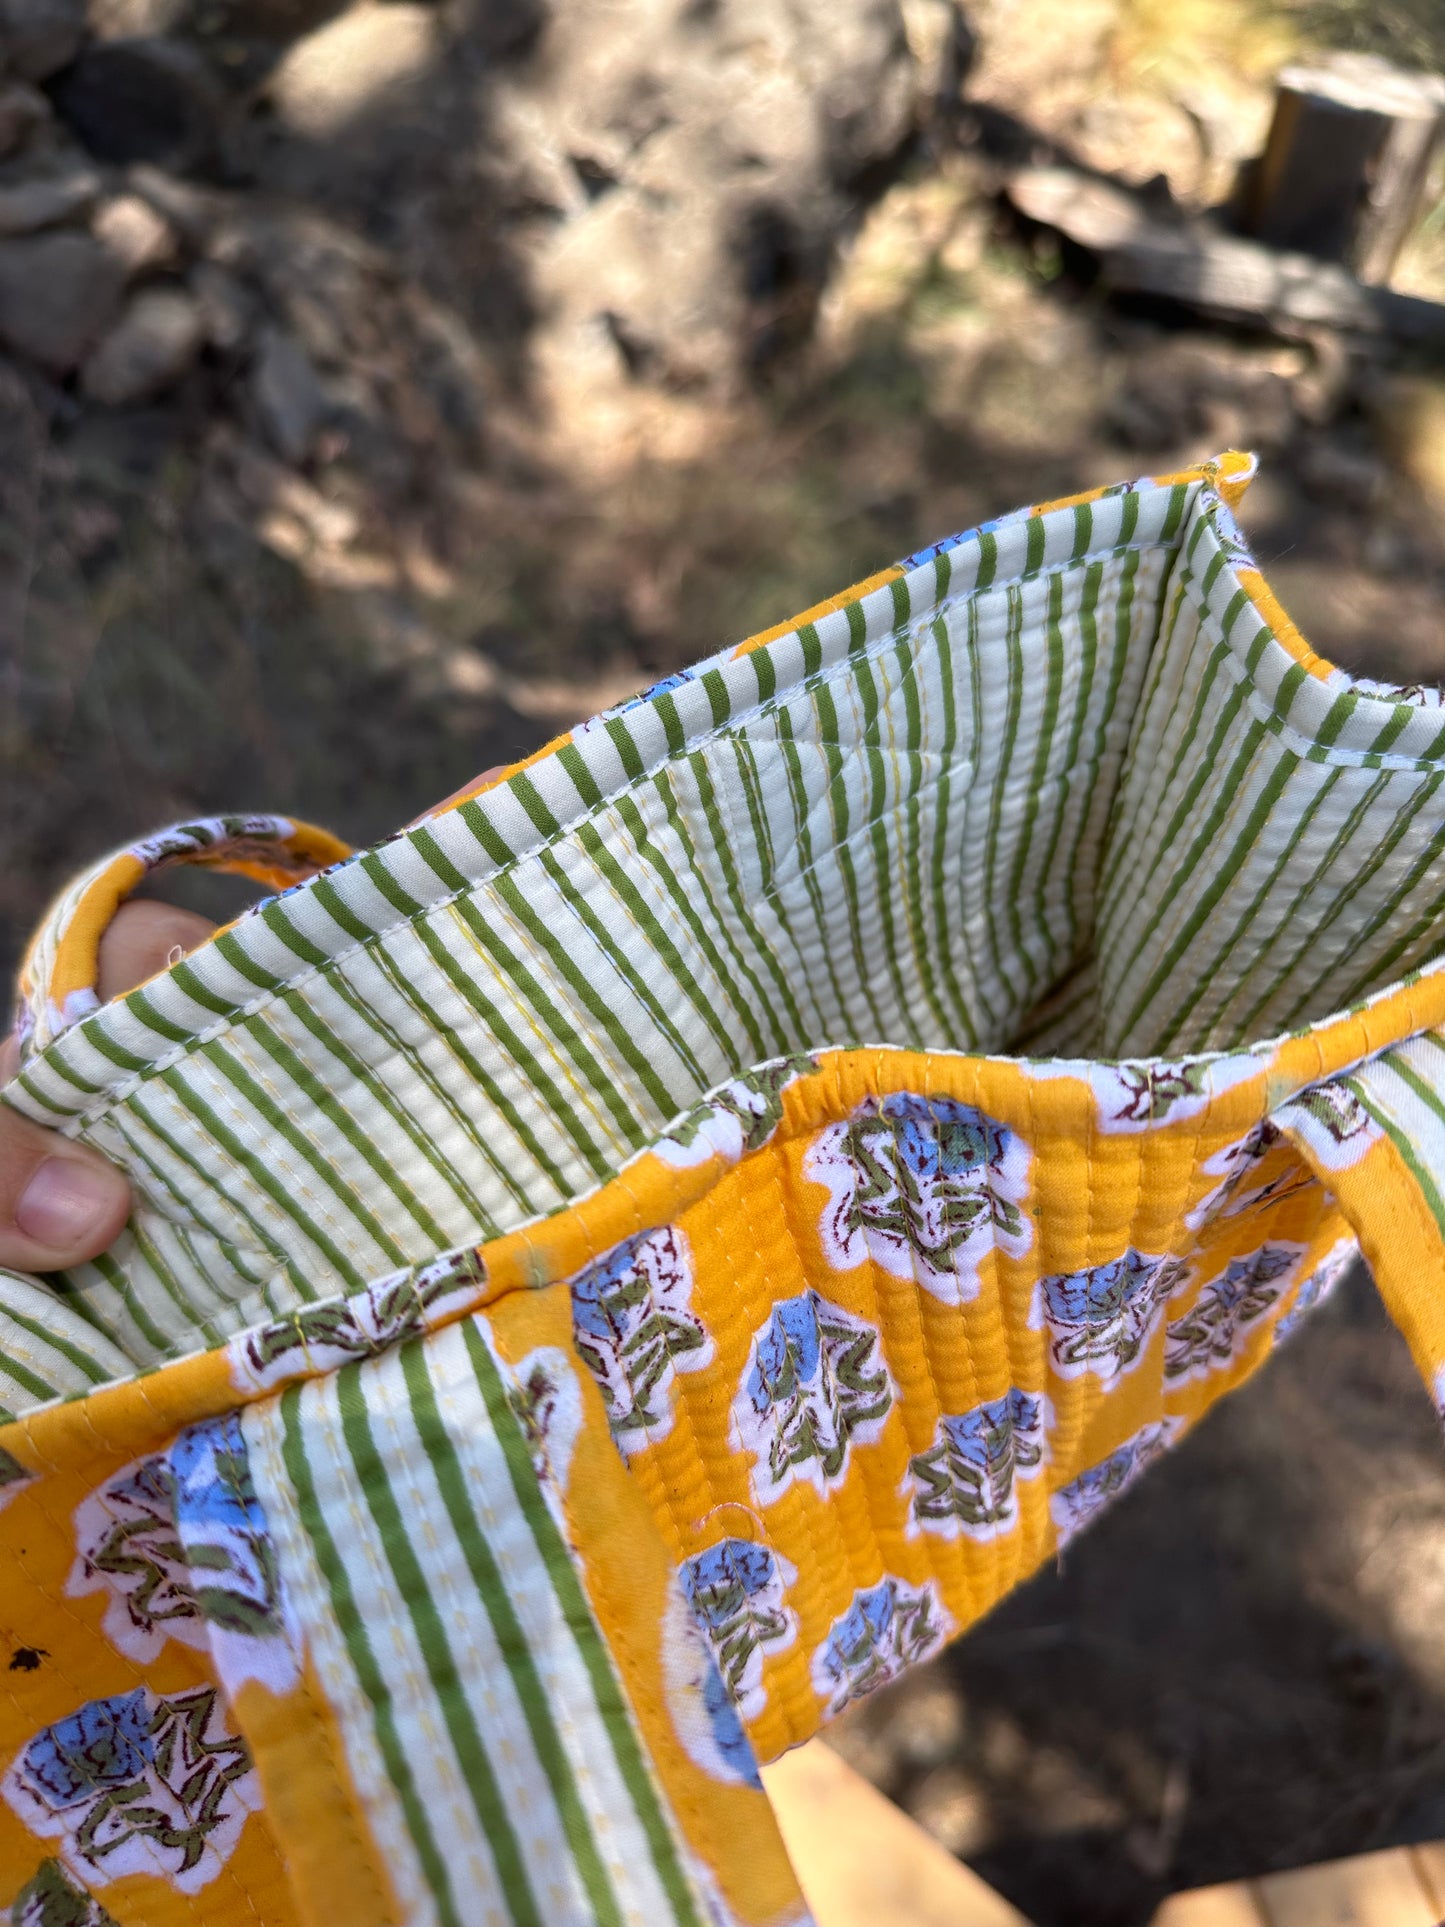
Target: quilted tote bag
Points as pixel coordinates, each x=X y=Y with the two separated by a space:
x=637 y=1260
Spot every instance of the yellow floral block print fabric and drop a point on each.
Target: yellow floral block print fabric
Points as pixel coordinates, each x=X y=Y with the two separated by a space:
x=633 y=1263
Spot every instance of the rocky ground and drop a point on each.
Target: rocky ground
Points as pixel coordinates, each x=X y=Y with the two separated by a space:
x=387 y=386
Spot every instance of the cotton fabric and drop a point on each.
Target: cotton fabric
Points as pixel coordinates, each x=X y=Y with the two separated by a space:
x=634 y=1262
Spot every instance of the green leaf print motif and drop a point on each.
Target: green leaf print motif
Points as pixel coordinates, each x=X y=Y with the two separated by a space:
x=966 y=1481
x=815 y=1384
x=323 y=1336
x=635 y=1331
x=925 y=1187
x=738 y=1117
x=1217 y=1326
x=52 y=1899
x=139 y=1784
x=12 y=1477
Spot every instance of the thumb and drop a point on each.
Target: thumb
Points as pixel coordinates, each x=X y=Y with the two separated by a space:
x=61 y=1202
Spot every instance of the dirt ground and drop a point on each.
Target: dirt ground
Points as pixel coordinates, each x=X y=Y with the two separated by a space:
x=1243 y=1666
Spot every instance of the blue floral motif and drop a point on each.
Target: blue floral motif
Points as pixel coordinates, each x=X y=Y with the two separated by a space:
x=736 y=1591
x=104 y=1745
x=1317 y=1287
x=235 y=1578
x=180 y=1543
x=1100 y=1320
x=1076 y=1504
x=1213 y=1333
x=727 y=1730
x=138 y=1784
x=966 y=1482
x=925 y=1187
x=815 y=1382
x=635 y=1330
x=887 y=1628
x=704 y=1715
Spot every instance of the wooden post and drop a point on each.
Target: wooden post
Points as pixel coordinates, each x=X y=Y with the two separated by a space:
x=1346 y=161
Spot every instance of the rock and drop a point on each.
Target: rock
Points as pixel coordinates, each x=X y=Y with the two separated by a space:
x=227 y=310
x=500 y=28
x=661 y=189
x=137 y=19
x=267 y=484
x=39 y=36
x=869 y=102
x=290 y=401
x=22 y=110
x=152 y=345
x=192 y=211
x=949 y=1804
x=141 y=100
x=368 y=59
x=928 y=1723
x=727 y=151
x=58 y=294
x=943 y=45
x=137 y=235
x=48 y=201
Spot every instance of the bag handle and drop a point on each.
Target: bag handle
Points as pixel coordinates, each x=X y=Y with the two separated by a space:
x=1375 y=1138
x=57 y=985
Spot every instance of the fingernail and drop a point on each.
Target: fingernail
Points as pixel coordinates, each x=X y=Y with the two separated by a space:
x=65 y=1202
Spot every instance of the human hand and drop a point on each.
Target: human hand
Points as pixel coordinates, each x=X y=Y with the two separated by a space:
x=61 y=1202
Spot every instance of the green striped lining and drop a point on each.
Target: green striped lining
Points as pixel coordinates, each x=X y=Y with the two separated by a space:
x=1058 y=782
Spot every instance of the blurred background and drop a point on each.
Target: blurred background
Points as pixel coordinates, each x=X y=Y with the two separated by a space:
x=384 y=387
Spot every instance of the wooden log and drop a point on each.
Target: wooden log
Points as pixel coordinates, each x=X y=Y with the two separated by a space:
x=861 y=1861
x=1346 y=161
x=1192 y=263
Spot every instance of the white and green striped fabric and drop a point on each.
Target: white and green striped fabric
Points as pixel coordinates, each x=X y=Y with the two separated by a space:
x=1053 y=787
x=488 y=1734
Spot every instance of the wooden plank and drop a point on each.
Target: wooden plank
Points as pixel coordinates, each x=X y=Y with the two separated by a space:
x=1430 y=1865
x=860 y=1860
x=1240 y=278
x=1192 y=263
x=1372 y=1890
x=1235 y=1905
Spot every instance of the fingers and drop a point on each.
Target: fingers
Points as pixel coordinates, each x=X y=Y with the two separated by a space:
x=458 y=796
x=61 y=1203
x=143 y=938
